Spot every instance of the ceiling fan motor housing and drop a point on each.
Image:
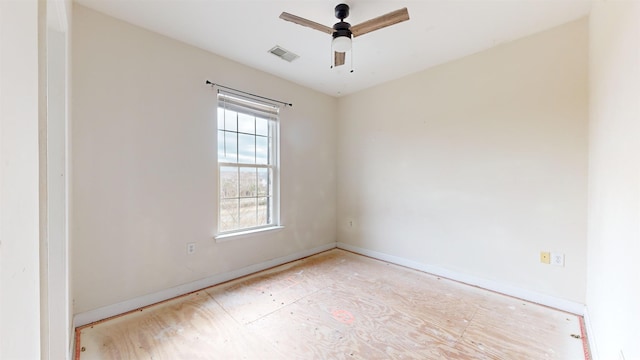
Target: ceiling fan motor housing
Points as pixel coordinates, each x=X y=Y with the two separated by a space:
x=342 y=29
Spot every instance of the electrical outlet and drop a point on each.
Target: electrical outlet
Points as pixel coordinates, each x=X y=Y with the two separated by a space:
x=351 y=223
x=191 y=248
x=545 y=257
x=557 y=259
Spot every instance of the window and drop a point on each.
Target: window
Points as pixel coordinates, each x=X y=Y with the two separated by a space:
x=247 y=164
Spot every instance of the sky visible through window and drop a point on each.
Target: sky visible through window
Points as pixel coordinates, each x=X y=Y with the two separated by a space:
x=242 y=138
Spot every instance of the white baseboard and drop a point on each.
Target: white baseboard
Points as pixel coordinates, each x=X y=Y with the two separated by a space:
x=528 y=295
x=593 y=349
x=92 y=316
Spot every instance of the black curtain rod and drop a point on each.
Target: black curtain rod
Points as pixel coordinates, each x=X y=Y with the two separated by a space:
x=250 y=94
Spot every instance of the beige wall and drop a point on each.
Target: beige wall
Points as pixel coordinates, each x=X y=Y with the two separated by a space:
x=613 y=285
x=477 y=165
x=144 y=164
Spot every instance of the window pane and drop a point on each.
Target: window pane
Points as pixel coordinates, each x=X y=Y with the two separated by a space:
x=246 y=124
x=220 y=119
x=221 y=145
x=228 y=215
x=262 y=127
x=263 y=211
x=248 y=213
x=262 y=150
x=247 y=149
x=230 y=120
x=248 y=182
x=228 y=147
x=263 y=182
x=228 y=182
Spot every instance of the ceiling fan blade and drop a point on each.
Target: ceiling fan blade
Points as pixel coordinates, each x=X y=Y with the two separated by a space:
x=338 y=58
x=380 y=22
x=304 y=22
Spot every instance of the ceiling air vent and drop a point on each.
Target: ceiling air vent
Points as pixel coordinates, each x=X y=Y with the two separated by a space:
x=283 y=54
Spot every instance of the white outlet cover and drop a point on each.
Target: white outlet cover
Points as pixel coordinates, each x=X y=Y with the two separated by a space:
x=557 y=259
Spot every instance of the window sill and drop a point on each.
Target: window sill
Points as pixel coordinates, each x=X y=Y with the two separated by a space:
x=234 y=235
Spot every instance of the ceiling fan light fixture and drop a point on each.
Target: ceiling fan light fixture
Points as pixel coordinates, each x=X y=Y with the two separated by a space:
x=341 y=44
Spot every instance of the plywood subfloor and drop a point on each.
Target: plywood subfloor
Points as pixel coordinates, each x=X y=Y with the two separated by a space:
x=337 y=305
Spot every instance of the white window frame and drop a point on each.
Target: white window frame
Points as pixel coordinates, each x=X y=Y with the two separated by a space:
x=249 y=106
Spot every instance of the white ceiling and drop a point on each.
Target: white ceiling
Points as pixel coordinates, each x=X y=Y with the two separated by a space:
x=439 y=31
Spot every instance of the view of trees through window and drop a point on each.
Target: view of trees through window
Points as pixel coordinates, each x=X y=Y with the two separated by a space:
x=245 y=160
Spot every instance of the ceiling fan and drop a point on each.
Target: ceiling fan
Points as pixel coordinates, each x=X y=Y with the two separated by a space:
x=342 y=31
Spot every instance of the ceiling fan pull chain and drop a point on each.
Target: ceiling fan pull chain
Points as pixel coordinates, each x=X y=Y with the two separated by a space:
x=351 y=60
x=333 y=57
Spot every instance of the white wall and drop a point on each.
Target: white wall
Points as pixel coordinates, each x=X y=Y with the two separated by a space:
x=56 y=309
x=144 y=164
x=613 y=282
x=475 y=166
x=20 y=87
